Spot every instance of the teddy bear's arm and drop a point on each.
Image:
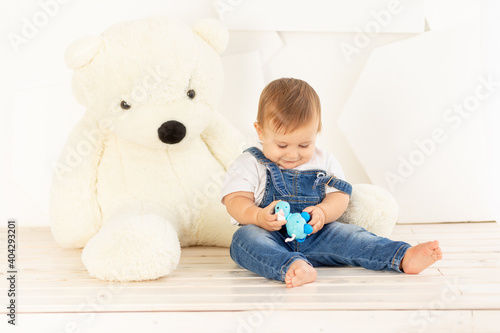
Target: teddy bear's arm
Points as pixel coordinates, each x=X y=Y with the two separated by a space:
x=224 y=140
x=75 y=215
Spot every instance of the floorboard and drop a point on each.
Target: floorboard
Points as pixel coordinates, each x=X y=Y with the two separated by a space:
x=209 y=293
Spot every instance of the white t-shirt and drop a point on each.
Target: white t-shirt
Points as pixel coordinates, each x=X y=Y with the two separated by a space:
x=248 y=175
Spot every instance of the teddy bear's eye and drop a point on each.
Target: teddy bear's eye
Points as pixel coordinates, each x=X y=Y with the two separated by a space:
x=125 y=106
x=191 y=93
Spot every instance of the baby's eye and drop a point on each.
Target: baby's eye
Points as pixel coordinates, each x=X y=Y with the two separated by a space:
x=304 y=146
x=282 y=146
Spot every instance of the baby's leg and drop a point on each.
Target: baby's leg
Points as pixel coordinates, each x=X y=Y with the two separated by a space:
x=418 y=258
x=263 y=252
x=339 y=244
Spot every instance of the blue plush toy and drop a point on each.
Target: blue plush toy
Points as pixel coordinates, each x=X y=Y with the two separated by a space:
x=296 y=223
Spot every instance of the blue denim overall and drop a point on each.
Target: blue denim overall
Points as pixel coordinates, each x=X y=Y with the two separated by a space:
x=336 y=244
x=300 y=188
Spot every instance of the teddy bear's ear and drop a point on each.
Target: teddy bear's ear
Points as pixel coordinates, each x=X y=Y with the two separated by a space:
x=82 y=51
x=213 y=32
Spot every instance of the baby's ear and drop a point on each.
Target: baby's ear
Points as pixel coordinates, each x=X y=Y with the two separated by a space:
x=213 y=32
x=258 y=129
x=81 y=52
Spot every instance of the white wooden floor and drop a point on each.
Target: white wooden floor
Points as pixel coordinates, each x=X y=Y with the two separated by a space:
x=209 y=293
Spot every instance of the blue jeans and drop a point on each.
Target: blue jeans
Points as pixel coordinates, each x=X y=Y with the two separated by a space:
x=337 y=244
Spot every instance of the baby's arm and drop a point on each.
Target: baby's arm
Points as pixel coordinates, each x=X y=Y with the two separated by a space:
x=329 y=210
x=241 y=206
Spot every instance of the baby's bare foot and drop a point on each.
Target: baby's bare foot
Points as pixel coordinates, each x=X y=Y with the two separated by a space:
x=299 y=273
x=418 y=258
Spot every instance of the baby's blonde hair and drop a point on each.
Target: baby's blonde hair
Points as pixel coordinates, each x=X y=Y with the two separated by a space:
x=287 y=104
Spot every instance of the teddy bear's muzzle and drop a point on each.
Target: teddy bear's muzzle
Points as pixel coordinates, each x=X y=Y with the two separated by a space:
x=172 y=132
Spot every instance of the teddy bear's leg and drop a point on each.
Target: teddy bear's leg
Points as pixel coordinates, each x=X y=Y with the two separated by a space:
x=372 y=208
x=133 y=248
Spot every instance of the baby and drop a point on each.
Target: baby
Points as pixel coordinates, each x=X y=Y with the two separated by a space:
x=289 y=166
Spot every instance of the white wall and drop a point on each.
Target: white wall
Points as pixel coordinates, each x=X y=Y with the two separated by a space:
x=490 y=53
x=322 y=43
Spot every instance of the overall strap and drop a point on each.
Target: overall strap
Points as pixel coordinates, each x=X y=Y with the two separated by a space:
x=335 y=182
x=274 y=170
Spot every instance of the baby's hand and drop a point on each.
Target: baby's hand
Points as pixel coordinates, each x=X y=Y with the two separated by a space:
x=317 y=218
x=267 y=220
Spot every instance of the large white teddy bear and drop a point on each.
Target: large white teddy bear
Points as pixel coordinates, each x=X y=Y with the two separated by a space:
x=140 y=174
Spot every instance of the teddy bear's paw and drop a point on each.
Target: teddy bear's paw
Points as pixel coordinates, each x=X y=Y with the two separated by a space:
x=133 y=248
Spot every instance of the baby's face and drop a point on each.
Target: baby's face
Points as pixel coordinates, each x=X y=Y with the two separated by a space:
x=291 y=149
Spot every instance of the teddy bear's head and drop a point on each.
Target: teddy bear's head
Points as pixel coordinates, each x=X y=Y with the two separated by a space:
x=153 y=82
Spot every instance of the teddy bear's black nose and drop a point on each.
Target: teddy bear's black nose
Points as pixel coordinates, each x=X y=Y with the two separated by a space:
x=172 y=132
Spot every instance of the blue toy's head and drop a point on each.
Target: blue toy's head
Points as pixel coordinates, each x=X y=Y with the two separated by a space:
x=282 y=205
